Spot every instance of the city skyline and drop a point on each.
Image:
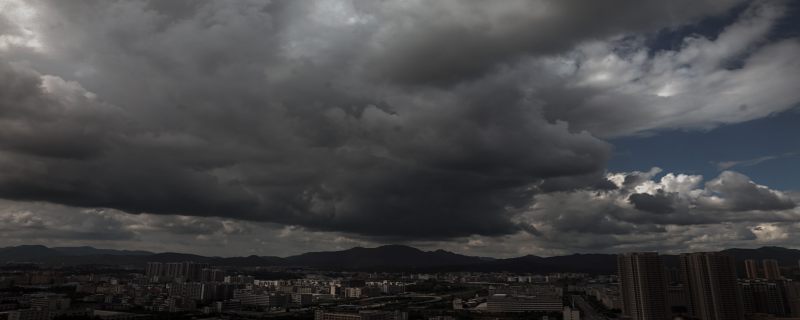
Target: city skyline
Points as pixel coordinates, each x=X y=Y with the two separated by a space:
x=503 y=129
x=640 y=286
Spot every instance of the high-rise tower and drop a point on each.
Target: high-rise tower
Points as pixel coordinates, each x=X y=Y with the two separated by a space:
x=751 y=268
x=710 y=278
x=643 y=286
x=771 y=269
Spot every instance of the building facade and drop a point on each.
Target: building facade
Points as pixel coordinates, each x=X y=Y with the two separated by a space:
x=710 y=278
x=751 y=269
x=771 y=270
x=643 y=286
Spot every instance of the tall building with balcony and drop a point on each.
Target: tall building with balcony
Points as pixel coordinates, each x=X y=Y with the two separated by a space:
x=643 y=286
x=771 y=269
x=154 y=269
x=710 y=278
x=751 y=269
x=762 y=296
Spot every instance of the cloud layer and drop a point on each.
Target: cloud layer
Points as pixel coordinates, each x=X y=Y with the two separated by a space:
x=700 y=217
x=383 y=121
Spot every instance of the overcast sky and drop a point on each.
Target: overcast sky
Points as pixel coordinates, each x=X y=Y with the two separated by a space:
x=498 y=128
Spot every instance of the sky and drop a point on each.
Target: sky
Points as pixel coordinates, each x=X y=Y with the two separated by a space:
x=490 y=128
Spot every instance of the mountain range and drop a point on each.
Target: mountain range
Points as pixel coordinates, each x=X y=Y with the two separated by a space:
x=383 y=258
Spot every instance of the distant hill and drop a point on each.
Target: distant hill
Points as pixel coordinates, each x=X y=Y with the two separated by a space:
x=785 y=257
x=26 y=253
x=383 y=258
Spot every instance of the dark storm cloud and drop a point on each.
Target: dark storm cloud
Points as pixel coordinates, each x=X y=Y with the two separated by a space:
x=384 y=119
x=7 y=27
x=660 y=202
x=65 y=123
x=173 y=121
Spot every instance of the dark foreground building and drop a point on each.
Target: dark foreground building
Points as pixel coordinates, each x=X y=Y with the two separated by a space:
x=710 y=278
x=643 y=286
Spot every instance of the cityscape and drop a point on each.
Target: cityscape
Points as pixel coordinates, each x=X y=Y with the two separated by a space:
x=646 y=285
x=400 y=159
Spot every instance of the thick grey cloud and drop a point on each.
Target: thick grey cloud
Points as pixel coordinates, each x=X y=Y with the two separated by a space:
x=33 y=222
x=736 y=192
x=673 y=212
x=660 y=202
x=393 y=120
x=169 y=119
x=58 y=225
x=405 y=165
x=557 y=223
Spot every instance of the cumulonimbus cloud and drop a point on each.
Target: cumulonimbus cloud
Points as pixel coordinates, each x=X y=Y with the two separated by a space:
x=360 y=117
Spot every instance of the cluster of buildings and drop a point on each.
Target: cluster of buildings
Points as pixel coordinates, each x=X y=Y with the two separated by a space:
x=766 y=291
x=696 y=286
x=200 y=289
x=541 y=298
x=606 y=294
x=47 y=306
x=193 y=286
x=704 y=286
x=173 y=287
x=183 y=271
x=500 y=277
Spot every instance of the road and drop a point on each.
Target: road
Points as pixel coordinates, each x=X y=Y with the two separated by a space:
x=587 y=311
